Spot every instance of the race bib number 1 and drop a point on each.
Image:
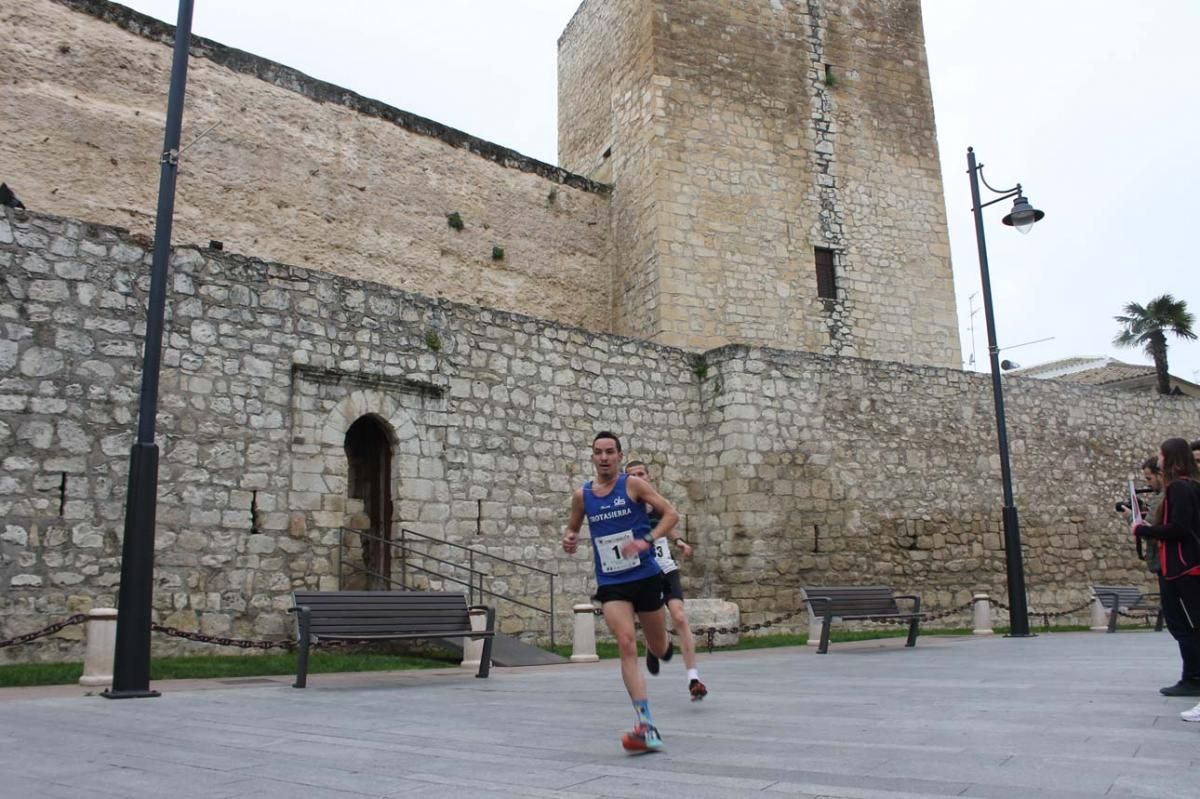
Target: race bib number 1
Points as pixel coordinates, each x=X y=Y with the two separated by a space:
x=611 y=559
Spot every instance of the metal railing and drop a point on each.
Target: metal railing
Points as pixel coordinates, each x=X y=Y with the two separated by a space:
x=475 y=580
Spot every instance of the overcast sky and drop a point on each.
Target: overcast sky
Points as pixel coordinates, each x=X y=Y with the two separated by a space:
x=1091 y=104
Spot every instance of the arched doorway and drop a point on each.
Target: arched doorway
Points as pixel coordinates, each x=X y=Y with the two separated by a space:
x=369 y=452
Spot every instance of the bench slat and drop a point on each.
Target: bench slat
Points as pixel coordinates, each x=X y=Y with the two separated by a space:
x=307 y=592
x=324 y=607
x=410 y=597
x=384 y=627
x=436 y=631
x=860 y=600
x=390 y=599
x=399 y=636
x=844 y=617
x=374 y=618
x=842 y=608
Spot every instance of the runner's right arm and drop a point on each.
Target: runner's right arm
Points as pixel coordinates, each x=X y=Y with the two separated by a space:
x=640 y=490
x=570 y=539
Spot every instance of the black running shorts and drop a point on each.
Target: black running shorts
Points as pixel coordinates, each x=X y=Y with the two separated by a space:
x=672 y=586
x=645 y=594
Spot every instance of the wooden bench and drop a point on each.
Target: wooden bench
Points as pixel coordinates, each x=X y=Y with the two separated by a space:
x=1116 y=598
x=382 y=616
x=871 y=602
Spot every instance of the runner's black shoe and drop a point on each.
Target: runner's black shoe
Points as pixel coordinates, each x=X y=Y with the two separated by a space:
x=652 y=659
x=697 y=690
x=1182 y=688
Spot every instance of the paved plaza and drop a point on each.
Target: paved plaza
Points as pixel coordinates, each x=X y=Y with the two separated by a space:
x=1060 y=715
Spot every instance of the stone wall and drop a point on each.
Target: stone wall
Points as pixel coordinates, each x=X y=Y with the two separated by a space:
x=264 y=369
x=289 y=168
x=788 y=467
x=851 y=471
x=766 y=129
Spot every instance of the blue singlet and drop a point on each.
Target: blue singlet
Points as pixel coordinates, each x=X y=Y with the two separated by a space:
x=612 y=521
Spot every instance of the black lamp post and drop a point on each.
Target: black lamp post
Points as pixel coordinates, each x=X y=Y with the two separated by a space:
x=131 y=660
x=1022 y=217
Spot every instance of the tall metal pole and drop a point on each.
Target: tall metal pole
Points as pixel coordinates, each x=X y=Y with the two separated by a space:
x=131 y=661
x=1014 y=565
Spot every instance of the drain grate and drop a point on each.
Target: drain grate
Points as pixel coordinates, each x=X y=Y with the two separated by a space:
x=247 y=681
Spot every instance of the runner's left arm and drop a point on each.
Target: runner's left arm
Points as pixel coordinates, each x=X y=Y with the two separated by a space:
x=641 y=491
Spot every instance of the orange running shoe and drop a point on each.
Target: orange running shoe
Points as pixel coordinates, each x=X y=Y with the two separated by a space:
x=697 y=690
x=644 y=738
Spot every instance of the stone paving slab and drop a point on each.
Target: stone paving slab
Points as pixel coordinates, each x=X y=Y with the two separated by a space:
x=1061 y=715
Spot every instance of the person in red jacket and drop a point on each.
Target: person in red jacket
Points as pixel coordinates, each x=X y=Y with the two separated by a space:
x=1176 y=529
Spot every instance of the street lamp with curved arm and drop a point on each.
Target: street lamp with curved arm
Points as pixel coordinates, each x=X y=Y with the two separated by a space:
x=1023 y=217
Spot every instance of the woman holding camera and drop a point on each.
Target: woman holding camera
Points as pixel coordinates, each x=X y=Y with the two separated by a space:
x=1176 y=531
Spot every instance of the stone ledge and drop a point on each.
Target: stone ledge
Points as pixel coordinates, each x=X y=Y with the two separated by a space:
x=319 y=91
x=713 y=613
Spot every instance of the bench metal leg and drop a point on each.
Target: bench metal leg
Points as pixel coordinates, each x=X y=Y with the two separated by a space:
x=1112 y=617
x=824 y=646
x=913 y=628
x=302 y=648
x=485 y=658
x=1158 y=622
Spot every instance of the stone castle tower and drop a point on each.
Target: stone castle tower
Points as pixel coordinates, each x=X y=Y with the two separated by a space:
x=774 y=168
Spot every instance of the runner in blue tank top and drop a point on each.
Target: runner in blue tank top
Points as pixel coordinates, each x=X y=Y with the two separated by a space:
x=614 y=520
x=628 y=577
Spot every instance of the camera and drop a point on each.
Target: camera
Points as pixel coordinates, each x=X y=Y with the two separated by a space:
x=1123 y=505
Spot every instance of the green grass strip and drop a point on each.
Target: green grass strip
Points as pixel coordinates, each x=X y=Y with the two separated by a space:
x=222 y=666
x=13 y=675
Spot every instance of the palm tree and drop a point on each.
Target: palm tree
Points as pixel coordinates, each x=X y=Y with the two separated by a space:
x=1148 y=326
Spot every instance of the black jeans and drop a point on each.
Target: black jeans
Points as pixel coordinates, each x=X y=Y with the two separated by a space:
x=1181 y=612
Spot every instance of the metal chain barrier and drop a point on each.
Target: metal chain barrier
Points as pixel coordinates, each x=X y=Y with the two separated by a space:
x=937 y=616
x=710 y=633
x=78 y=618
x=220 y=640
x=1058 y=614
x=1046 y=615
x=81 y=618
x=941 y=614
x=1139 y=617
x=242 y=643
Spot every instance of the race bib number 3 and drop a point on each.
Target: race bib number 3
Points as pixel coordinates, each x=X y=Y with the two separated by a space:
x=660 y=549
x=611 y=559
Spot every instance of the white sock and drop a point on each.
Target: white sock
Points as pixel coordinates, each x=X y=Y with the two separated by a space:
x=693 y=674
